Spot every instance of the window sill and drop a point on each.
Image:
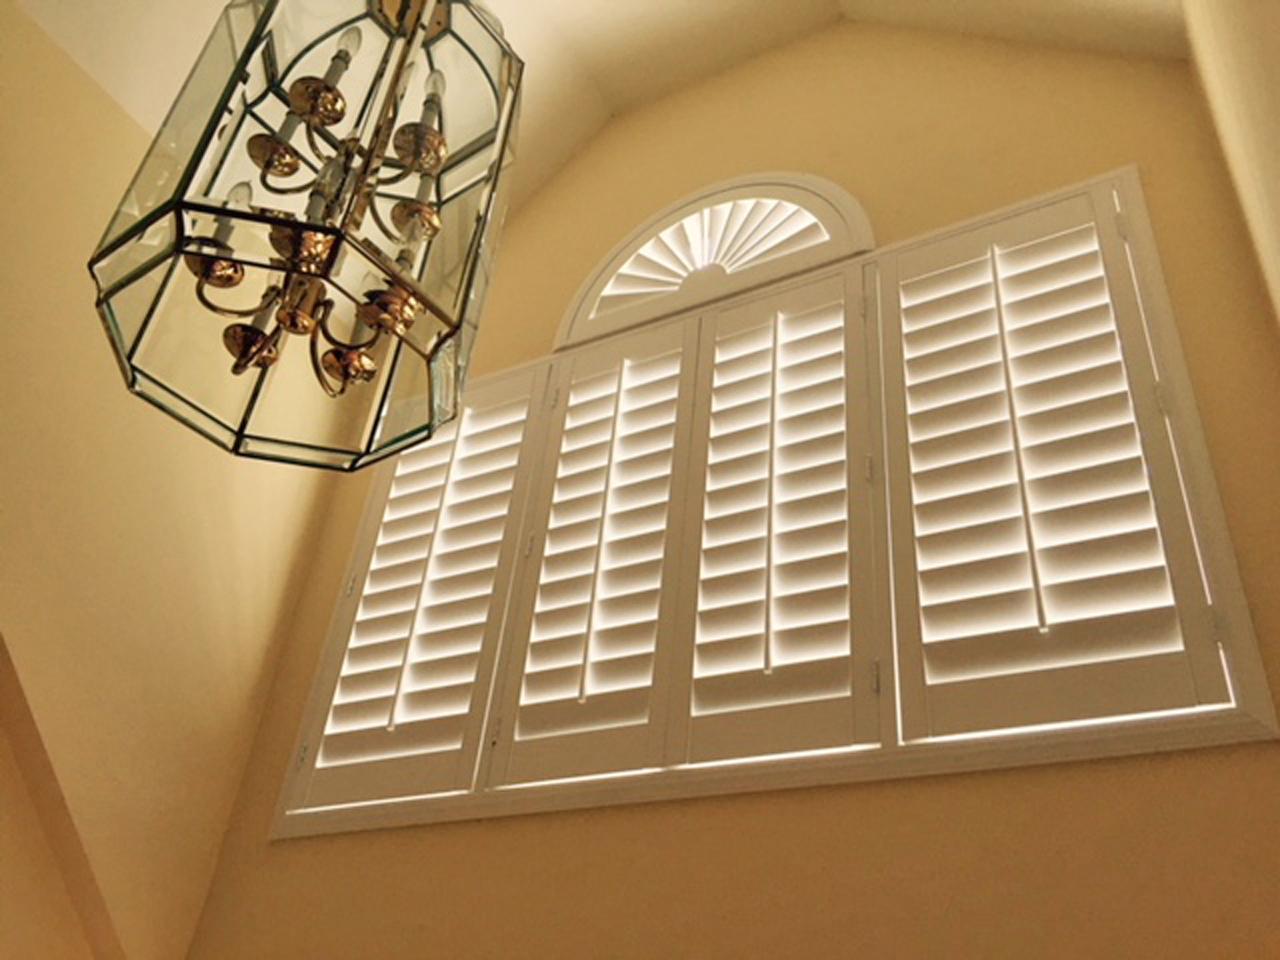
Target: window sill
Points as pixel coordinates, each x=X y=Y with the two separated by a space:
x=1201 y=727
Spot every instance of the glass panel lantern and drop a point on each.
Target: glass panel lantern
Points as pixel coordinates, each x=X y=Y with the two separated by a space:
x=299 y=266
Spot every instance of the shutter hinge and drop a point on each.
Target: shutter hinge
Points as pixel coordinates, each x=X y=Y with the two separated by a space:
x=555 y=398
x=1122 y=225
x=351 y=585
x=302 y=755
x=528 y=546
x=870 y=468
x=496 y=733
x=875 y=677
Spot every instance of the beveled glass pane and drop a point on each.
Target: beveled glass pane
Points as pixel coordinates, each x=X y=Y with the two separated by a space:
x=296 y=453
x=152 y=243
x=194 y=111
x=451 y=250
x=471 y=101
x=183 y=349
x=295 y=409
x=185 y=411
x=408 y=402
x=129 y=307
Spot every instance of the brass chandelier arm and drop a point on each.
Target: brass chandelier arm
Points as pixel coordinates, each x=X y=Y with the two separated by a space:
x=322 y=325
x=321 y=377
x=395 y=178
x=314 y=143
x=270 y=296
x=264 y=178
x=264 y=353
x=382 y=224
x=323 y=313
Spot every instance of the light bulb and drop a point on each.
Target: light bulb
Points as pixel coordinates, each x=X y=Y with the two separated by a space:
x=238 y=196
x=349 y=42
x=432 y=106
x=436 y=85
x=348 y=46
x=241 y=195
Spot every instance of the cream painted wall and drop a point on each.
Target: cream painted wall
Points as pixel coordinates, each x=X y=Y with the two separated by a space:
x=1237 y=51
x=37 y=918
x=143 y=574
x=1164 y=856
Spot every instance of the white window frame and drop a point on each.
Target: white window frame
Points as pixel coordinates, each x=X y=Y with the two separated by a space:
x=1249 y=716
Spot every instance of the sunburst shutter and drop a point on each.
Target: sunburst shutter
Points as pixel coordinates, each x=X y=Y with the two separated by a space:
x=1043 y=576
x=408 y=705
x=586 y=687
x=782 y=621
x=729 y=237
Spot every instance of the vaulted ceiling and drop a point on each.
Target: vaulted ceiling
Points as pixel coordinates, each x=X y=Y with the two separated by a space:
x=589 y=60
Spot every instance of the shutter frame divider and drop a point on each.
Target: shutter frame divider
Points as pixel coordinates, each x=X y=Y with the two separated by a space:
x=1233 y=622
x=492 y=718
x=871 y=639
x=506 y=684
x=1151 y=408
x=887 y=665
x=306 y=748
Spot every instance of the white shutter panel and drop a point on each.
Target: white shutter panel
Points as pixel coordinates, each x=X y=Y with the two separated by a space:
x=408 y=707
x=781 y=417
x=1042 y=574
x=585 y=694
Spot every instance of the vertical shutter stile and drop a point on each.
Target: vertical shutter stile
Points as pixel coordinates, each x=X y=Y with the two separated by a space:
x=1036 y=582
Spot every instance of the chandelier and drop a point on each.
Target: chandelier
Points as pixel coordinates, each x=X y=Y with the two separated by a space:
x=299 y=266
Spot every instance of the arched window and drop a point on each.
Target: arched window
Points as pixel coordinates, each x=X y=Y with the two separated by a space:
x=730 y=237
x=779 y=511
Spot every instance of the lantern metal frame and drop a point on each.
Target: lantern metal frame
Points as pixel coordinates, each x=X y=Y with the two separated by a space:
x=375 y=245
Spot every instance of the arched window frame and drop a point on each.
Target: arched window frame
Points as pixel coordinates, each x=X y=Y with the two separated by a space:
x=843 y=218
x=1007 y=716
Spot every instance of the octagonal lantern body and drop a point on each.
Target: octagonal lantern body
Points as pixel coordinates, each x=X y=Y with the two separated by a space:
x=298 y=269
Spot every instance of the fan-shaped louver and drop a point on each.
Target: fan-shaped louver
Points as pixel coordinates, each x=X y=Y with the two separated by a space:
x=734 y=236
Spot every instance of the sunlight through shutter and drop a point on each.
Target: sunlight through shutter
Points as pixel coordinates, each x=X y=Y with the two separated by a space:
x=407 y=709
x=1037 y=579
x=597 y=615
x=773 y=666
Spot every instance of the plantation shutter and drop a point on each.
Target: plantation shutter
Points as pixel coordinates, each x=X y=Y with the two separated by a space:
x=593 y=621
x=1045 y=568
x=783 y=555
x=407 y=710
